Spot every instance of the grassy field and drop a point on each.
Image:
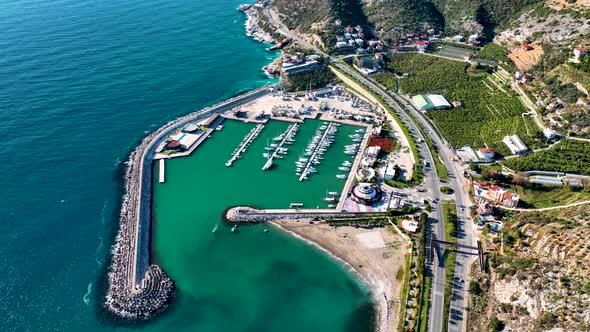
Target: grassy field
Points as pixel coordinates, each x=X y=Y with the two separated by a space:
x=547 y=197
x=488 y=113
x=568 y=156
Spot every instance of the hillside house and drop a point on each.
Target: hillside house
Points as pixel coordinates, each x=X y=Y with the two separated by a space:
x=379 y=57
x=341 y=44
x=485 y=154
x=515 y=144
x=421 y=45
x=496 y=194
x=579 y=54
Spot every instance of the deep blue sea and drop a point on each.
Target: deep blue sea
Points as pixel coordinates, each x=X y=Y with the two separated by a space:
x=81 y=83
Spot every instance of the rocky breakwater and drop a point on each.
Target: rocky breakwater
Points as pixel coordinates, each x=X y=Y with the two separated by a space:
x=246 y=214
x=139 y=290
x=255 y=23
x=125 y=297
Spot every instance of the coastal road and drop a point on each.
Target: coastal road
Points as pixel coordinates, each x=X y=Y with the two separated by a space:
x=432 y=181
x=435 y=225
x=466 y=231
x=465 y=228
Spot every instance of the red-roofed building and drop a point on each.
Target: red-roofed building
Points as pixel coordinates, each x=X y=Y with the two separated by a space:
x=421 y=45
x=487 y=153
x=528 y=47
x=386 y=144
x=468 y=56
x=173 y=145
x=496 y=194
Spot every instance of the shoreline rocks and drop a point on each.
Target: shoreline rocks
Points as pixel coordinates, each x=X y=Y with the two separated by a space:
x=253 y=28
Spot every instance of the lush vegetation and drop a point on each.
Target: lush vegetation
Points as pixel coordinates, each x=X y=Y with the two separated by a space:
x=316 y=78
x=568 y=156
x=410 y=15
x=497 y=53
x=537 y=196
x=487 y=113
x=446 y=190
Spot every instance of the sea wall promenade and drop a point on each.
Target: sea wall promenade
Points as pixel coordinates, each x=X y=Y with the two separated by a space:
x=138 y=290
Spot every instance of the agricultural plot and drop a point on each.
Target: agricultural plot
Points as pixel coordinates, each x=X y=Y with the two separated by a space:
x=489 y=109
x=568 y=156
x=542 y=197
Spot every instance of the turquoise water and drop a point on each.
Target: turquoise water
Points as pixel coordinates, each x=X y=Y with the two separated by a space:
x=81 y=82
x=251 y=280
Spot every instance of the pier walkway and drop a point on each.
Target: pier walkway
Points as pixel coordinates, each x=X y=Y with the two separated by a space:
x=315 y=152
x=162 y=170
x=353 y=169
x=244 y=214
x=287 y=135
x=244 y=144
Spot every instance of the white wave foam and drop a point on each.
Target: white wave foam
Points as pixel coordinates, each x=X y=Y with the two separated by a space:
x=86 y=297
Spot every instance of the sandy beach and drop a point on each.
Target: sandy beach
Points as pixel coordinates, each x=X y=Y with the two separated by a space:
x=375 y=255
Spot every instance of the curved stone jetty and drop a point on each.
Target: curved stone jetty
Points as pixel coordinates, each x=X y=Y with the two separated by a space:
x=138 y=290
x=246 y=214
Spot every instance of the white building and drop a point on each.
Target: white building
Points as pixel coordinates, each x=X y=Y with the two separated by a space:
x=341 y=44
x=549 y=133
x=389 y=172
x=373 y=151
x=515 y=144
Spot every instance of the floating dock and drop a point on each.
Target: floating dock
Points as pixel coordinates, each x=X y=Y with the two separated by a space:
x=242 y=147
x=162 y=169
x=315 y=152
x=287 y=135
x=355 y=165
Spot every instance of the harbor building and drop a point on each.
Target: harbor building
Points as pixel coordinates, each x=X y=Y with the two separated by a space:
x=366 y=193
x=185 y=140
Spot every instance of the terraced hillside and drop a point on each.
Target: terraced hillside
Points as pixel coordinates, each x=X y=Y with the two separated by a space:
x=539 y=275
